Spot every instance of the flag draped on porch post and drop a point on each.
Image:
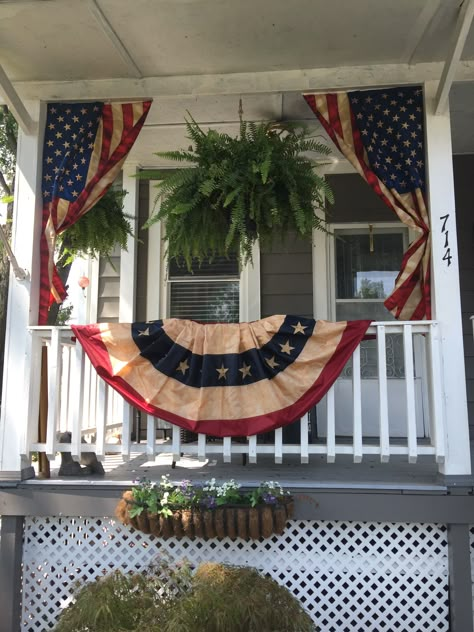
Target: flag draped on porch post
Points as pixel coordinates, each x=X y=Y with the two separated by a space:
x=222 y=379
x=85 y=146
x=381 y=133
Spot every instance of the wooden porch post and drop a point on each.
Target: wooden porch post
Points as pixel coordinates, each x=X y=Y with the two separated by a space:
x=445 y=280
x=15 y=423
x=128 y=283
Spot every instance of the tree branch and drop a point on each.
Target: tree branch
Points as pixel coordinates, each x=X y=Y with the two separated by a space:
x=11 y=138
x=4 y=185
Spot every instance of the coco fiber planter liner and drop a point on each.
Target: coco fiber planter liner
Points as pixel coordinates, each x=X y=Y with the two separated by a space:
x=248 y=523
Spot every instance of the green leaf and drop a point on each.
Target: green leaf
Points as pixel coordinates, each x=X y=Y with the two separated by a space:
x=182 y=208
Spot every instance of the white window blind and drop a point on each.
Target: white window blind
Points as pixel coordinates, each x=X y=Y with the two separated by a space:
x=209 y=293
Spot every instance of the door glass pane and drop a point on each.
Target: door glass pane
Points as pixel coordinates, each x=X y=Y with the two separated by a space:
x=362 y=274
x=364 y=278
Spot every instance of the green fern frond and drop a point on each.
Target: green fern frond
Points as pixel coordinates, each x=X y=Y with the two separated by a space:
x=240 y=189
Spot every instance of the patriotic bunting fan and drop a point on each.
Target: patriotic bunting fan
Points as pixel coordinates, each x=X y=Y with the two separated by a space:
x=222 y=379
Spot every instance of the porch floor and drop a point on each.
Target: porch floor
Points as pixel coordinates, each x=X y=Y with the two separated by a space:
x=398 y=474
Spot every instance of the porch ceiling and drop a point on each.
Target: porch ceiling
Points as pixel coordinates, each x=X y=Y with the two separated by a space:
x=65 y=39
x=139 y=47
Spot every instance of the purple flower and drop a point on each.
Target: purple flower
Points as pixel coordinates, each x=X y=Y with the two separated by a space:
x=269 y=499
x=209 y=502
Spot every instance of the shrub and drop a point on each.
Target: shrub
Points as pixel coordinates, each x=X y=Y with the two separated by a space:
x=219 y=598
x=236 y=599
x=126 y=601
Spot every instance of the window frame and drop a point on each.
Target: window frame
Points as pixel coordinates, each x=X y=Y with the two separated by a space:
x=356 y=228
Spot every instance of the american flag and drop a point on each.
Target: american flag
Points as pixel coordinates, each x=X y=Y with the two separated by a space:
x=381 y=133
x=85 y=146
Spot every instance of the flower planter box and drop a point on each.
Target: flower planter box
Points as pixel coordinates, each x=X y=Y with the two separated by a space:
x=248 y=523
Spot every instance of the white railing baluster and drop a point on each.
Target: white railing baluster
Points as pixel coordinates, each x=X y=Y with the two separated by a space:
x=176 y=443
x=201 y=447
x=79 y=366
x=126 y=411
x=304 y=423
x=227 y=450
x=436 y=400
x=71 y=401
x=383 y=395
x=54 y=383
x=64 y=390
x=357 y=406
x=101 y=418
x=279 y=445
x=410 y=393
x=86 y=397
x=33 y=384
x=253 y=449
x=331 y=426
x=150 y=435
x=94 y=381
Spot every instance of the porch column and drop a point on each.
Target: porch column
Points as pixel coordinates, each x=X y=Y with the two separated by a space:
x=445 y=285
x=128 y=282
x=128 y=258
x=22 y=304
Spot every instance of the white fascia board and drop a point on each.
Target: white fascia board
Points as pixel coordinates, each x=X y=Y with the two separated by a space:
x=308 y=80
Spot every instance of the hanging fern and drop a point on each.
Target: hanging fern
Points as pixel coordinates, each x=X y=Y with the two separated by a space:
x=99 y=231
x=238 y=190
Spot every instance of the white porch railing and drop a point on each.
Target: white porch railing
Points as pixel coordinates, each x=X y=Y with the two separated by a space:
x=83 y=404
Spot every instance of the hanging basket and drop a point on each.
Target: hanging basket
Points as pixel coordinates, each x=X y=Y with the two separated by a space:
x=247 y=523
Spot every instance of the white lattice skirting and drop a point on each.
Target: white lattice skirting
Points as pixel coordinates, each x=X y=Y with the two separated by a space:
x=348 y=575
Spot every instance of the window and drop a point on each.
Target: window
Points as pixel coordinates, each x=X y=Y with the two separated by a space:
x=210 y=293
x=366 y=267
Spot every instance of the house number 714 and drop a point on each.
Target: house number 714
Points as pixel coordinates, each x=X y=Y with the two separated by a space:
x=444 y=231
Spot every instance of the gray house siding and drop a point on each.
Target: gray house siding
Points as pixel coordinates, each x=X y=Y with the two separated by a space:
x=463 y=175
x=286 y=279
x=356 y=202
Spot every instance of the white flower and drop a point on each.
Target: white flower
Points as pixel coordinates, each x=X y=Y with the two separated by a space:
x=164 y=500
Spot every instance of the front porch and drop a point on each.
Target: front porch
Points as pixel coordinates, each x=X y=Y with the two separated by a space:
x=381 y=469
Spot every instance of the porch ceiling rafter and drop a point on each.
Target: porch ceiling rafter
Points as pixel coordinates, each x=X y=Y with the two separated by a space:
x=109 y=31
x=463 y=25
x=419 y=29
x=320 y=79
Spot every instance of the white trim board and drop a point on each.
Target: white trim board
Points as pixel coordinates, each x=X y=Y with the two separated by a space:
x=298 y=80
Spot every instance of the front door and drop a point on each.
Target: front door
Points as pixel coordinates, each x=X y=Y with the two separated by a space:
x=364 y=263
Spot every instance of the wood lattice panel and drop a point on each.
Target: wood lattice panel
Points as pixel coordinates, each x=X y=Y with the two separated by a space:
x=349 y=575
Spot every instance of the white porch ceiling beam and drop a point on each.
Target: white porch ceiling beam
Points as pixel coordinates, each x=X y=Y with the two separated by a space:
x=109 y=31
x=15 y=104
x=419 y=28
x=466 y=14
x=314 y=79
